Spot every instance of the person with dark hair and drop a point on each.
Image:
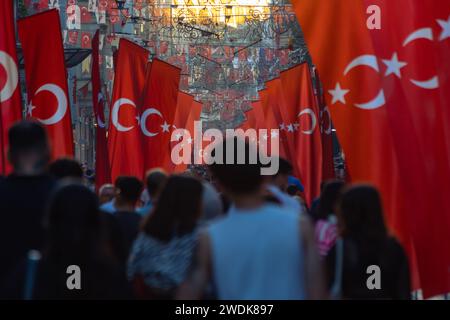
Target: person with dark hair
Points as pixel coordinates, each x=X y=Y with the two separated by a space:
x=326 y=221
x=24 y=194
x=278 y=185
x=66 y=168
x=106 y=193
x=163 y=252
x=259 y=250
x=73 y=227
x=154 y=182
x=128 y=191
x=364 y=242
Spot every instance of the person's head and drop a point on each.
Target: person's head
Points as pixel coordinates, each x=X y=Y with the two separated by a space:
x=73 y=221
x=236 y=179
x=155 y=180
x=178 y=209
x=330 y=194
x=282 y=177
x=28 y=150
x=106 y=193
x=66 y=168
x=128 y=191
x=360 y=214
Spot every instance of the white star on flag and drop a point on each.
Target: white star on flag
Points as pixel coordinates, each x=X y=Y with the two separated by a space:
x=445 y=25
x=338 y=94
x=394 y=66
x=274 y=134
x=30 y=108
x=282 y=126
x=189 y=140
x=290 y=128
x=165 y=126
x=296 y=125
x=138 y=120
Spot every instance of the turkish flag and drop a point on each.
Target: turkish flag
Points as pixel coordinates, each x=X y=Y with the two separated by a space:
x=272 y=100
x=46 y=78
x=102 y=167
x=124 y=135
x=326 y=128
x=410 y=48
x=159 y=102
x=302 y=128
x=394 y=130
x=183 y=110
x=10 y=104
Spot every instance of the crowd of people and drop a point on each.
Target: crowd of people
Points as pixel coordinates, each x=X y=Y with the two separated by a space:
x=218 y=232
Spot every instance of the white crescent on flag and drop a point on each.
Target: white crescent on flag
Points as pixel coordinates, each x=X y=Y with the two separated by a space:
x=61 y=98
x=12 y=76
x=115 y=114
x=144 y=116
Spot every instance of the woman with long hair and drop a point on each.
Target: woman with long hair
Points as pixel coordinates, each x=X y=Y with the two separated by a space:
x=367 y=262
x=73 y=263
x=162 y=253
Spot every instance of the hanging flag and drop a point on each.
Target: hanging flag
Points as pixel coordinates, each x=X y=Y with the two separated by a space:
x=326 y=128
x=46 y=79
x=393 y=129
x=184 y=108
x=301 y=125
x=102 y=167
x=159 y=102
x=415 y=82
x=124 y=135
x=10 y=104
x=86 y=40
x=273 y=105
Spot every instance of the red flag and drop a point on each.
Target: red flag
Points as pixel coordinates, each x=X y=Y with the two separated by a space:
x=124 y=135
x=182 y=113
x=10 y=104
x=273 y=105
x=159 y=103
x=402 y=107
x=300 y=117
x=102 y=168
x=46 y=78
x=326 y=131
x=415 y=80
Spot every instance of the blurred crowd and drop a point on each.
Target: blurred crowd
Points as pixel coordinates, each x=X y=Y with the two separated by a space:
x=221 y=231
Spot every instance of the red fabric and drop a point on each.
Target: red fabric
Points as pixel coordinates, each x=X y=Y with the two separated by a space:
x=10 y=104
x=400 y=144
x=159 y=103
x=326 y=133
x=184 y=106
x=102 y=168
x=124 y=135
x=46 y=78
x=302 y=130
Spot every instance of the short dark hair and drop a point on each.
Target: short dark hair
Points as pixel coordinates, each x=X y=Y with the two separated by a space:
x=285 y=167
x=27 y=136
x=129 y=188
x=238 y=178
x=66 y=168
x=155 y=180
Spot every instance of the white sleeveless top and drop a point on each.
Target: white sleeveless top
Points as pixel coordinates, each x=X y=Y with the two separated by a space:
x=257 y=255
